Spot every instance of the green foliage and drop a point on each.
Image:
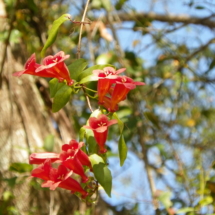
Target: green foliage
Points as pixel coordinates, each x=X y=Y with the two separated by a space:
x=122 y=148
x=52 y=34
x=49 y=143
x=61 y=97
x=60 y=92
x=20 y=167
x=76 y=68
x=102 y=173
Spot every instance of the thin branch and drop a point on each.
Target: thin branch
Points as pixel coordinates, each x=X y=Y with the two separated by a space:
x=81 y=29
x=166 y=18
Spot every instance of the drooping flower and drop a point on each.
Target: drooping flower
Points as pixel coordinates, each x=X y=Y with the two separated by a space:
x=74 y=158
x=107 y=77
x=52 y=67
x=57 y=177
x=100 y=126
x=74 y=149
x=122 y=87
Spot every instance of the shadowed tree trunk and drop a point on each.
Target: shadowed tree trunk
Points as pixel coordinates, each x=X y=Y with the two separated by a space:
x=26 y=120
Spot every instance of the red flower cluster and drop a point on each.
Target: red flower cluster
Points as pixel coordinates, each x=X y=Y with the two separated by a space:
x=71 y=159
x=113 y=88
x=52 y=67
x=100 y=126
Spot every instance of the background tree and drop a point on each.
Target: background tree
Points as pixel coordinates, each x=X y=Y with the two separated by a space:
x=169 y=122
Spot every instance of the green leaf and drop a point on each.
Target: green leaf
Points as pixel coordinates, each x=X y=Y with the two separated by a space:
x=49 y=143
x=54 y=86
x=106 y=4
x=152 y=118
x=102 y=173
x=206 y=201
x=81 y=134
x=10 y=181
x=76 y=68
x=185 y=210
x=120 y=123
x=199 y=7
x=164 y=198
x=122 y=150
x=20 y=167
x=61 y=98
x=89 y=78
x=52 y=34
x=92 y=144
x=89 y=71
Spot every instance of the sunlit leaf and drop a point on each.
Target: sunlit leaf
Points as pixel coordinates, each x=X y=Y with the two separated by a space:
x=101 y=172
x=61 y=98
x=185 y=210
x=164 y=198
x=76 y=68
x=89 y=71
x=54 y=86
x=122 y=150
x=52 y=34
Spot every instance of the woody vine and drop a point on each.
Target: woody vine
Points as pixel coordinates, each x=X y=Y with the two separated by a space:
x=81 y=166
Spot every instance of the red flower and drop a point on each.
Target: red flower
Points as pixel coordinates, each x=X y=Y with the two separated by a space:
x=73 y=158
x=107 y=77
x=100 y=126
x=74 y=149
x=39 y=158
x=121 y=89
x=57 y=177
x=53 y=67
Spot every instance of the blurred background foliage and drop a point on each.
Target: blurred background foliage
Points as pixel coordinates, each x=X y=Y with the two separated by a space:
x=169 y=122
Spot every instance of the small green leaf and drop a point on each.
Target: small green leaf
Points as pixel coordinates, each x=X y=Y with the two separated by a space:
x=20 y=167
x=52 y=34
x=106 y=4
x=88 y=78
x=54 y=86
x=81 y=134
x=89 y=71
x=92 y=144
x=61 y=98
x=185 y=210
x=199 y=7
x=206 y=201
x=10 y=181
x=76 y=68
x=102 y=173
x=164 y=198
x=122 y=150
x=120 y=123
x=49 y=143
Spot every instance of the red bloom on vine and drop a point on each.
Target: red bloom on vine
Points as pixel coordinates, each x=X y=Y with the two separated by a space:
x=57 y=177
x=55 y=65
x=107 y=77
x=74 y=158
x=121 y=89
x=74 y=149
x=52 y=67
x=100 y=126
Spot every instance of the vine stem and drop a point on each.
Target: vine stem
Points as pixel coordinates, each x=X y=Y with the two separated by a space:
x=81 y=29
x=79 y=50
